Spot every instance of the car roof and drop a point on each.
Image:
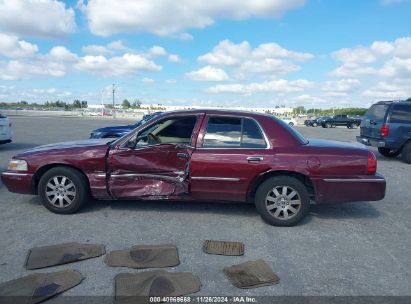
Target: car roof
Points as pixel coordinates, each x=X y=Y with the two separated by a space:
x=388 y=102
x=217 y=112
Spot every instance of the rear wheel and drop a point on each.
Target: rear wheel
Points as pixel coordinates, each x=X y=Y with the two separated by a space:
x=282 y=201
x=315 y=124
x=388 y=152
x=63 y=190
x=328 y=125
x=406 y=153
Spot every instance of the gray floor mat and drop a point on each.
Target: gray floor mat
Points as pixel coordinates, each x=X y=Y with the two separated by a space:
x=38 y=287
x=251 y=274
x=144 y=256
x=137 y=288
x=46 y=256
x=223 y=247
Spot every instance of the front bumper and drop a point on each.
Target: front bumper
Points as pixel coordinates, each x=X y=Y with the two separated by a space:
x=355 y=189
x=18 y=182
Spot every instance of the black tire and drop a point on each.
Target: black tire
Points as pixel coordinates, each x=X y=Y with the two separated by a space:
x=406 y=153
x=328 y=125
x=388 y=152
x=350 y=126
x=62 y=189
x=291 y=124
x=315 y=124
x=266 y=189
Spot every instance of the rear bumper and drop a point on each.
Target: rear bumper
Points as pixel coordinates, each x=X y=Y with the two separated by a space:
x=18 y=182
x=6 y=141
x=344 y=190
x=379 y=143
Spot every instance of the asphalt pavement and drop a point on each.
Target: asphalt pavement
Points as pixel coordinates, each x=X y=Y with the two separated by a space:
x=338 y=250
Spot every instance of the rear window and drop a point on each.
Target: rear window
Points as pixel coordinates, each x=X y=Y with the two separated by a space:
x=401 y=114
x=376 y=112
x=233 y=132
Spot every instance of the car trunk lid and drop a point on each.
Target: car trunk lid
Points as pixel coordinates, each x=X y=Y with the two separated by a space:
x=373 y=120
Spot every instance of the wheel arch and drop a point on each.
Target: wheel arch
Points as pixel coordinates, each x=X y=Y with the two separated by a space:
x=42 y=170
x=307 y=182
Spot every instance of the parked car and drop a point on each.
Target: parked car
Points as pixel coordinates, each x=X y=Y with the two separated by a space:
x=315 y=121
x=387 y=126
x=289 y=121
x=118 y=131
x=6 y=134
x=202 y=155
x=340 y=120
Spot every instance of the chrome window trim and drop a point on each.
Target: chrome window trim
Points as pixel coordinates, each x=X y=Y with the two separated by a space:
x=351 y=180
x=214 y=178
x=267 y=142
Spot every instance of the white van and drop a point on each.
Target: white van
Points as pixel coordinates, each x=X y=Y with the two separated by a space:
x=6 y=134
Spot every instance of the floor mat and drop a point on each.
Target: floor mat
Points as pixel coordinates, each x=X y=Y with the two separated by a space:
x=223 y=248
x=251 y=274
x=144 y=256
x=46 y=256
x=139 y=287
x=38 y=287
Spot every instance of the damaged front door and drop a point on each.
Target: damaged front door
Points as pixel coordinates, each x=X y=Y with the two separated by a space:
x=155 y=162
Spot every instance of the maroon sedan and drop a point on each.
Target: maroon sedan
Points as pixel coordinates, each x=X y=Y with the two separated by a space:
x=207 y=155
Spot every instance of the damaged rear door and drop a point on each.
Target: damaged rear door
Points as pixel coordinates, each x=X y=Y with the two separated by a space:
x=155 y=161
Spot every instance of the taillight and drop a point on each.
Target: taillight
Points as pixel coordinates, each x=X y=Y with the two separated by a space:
x=385 y=130
x=371 y=163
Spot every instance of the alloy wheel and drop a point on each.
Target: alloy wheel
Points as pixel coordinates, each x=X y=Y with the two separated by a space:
x=283 y=202
x=60 y=191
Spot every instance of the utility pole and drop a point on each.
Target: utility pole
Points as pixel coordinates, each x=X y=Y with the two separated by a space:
x=114 y=90
x=114 y=109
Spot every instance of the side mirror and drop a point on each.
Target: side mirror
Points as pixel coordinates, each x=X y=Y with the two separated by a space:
x=141 y=142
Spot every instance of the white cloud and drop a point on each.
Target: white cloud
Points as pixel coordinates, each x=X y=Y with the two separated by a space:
x=268 y=58
x=174 y=58
x=157 y=51
x=148 y=80
x=167 y=17
x=381 y=58
x=127 y=64
x=384 y=90
x=94 y=49
x=208 y=73
x=340 y=87
x=11 y=46
x=60 y=53
x=227 y=53
x=278 y=86
x=171 y=81
x=44 y=18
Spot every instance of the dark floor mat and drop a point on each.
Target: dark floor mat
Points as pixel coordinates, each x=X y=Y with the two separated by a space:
x=144 y=256
x=137 y=288
x=46 y=256
x=223 y=247
x=251 y=274
x=38 y=287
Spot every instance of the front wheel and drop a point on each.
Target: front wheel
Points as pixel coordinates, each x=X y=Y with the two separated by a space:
x=315 y=124
x=328 y=125
x=63 y=190
x=282 y=201
x=388 y=152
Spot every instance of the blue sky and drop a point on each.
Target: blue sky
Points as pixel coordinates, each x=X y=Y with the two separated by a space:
x=315 y=53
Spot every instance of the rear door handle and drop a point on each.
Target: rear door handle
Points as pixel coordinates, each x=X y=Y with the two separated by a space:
x=255 y=158
x=183 y=155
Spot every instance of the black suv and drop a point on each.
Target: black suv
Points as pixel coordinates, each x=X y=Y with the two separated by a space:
x=387 y=125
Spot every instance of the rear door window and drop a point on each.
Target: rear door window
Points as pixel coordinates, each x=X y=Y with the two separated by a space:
x=376 y=113
x=401 y=114
x=233 y=132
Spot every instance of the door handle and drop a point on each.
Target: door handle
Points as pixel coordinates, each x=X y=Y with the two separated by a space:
x=255 y=158
x=183 y=155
